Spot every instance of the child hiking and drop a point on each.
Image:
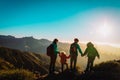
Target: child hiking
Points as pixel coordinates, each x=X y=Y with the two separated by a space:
x=63 y=60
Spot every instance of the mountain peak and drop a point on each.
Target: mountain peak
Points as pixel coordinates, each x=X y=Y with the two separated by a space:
x=6 y=36
x=31 y=37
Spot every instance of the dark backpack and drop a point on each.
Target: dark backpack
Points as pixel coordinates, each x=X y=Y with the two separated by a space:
x=50 y=50
x=73 y=48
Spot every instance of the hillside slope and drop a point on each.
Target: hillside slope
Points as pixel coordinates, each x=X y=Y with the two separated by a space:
x=105 y=71
x=25 y=60
x=4 y=65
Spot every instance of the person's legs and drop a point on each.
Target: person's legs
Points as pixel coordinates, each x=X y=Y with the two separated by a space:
x=71 y=62
x=75 y=61
x=53 y=64
x=88 y=65
x=62 y=67
x=92 y=61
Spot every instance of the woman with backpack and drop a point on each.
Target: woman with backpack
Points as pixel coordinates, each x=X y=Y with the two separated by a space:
x=52 y=51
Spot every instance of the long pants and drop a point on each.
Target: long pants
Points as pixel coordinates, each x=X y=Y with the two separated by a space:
x=62 y=66
x=73 y=60
x=90 y=63
x=52 y=63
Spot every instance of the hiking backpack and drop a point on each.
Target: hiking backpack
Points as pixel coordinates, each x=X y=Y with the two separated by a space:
x=50 y=50
x=73 y=48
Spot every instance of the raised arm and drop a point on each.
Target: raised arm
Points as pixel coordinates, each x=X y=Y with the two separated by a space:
x=97 y=54
x=79 y=49
x=68 y=57
x=86 y=51
x=55 y=48
x=70 y=49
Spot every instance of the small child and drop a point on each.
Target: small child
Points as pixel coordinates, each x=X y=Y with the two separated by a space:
x=63 y=60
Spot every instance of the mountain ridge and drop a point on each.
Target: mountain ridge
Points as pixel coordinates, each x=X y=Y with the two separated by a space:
x=25 y=43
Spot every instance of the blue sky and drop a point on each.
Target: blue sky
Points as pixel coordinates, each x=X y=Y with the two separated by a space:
x=88 y=20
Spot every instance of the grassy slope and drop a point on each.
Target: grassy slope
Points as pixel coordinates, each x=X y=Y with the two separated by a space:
x=23 y=60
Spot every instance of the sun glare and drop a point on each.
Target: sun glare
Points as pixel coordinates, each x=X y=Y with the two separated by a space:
x=104 y=30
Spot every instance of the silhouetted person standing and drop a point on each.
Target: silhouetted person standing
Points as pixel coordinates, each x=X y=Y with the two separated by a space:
x=53 y=56
x=74 y=48
x=91 y=53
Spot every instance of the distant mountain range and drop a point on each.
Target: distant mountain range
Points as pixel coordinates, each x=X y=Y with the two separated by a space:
x=24 y=44
x=29 y=44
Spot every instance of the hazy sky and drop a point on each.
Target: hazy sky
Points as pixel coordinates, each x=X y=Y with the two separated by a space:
x=88 y=20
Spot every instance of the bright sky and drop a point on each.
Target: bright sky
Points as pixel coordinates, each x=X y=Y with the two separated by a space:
x=88 y=20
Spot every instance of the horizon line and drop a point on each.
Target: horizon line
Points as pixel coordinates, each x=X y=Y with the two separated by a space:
x=69 y=42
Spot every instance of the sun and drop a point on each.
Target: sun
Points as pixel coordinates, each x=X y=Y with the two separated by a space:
x=104 y=30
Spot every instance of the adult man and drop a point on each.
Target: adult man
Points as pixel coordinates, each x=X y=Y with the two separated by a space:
x=74 y=48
